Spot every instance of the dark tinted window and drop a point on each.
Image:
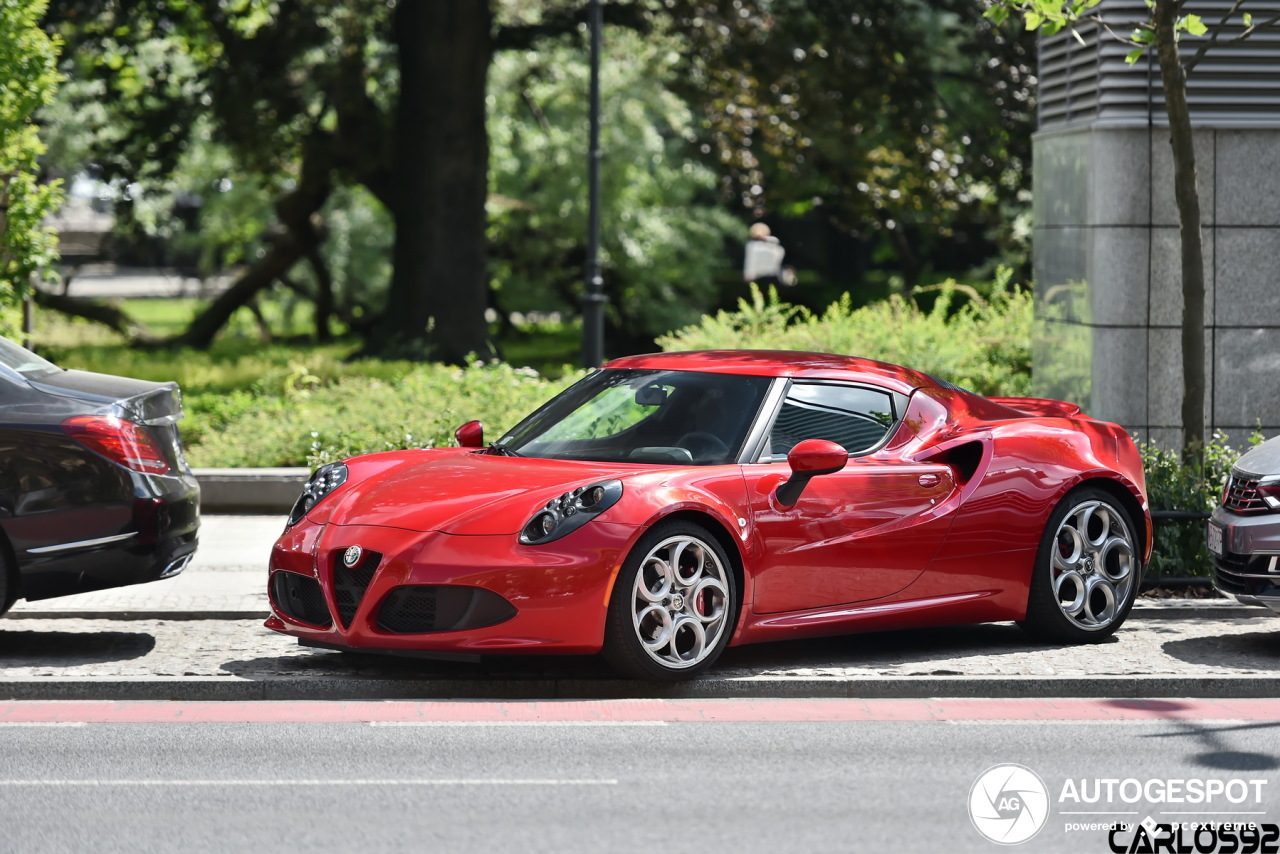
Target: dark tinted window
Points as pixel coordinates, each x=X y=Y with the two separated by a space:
x=855 y=417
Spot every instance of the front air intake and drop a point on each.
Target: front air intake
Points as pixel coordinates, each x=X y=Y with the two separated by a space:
x=424 y=608
x=300 y=597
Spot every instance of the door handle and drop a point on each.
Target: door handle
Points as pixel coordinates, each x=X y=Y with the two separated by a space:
x=928 y=481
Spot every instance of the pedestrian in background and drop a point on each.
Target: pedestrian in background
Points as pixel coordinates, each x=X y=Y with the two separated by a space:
x=762 y=262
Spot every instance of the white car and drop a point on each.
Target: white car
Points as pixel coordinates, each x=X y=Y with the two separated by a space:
x=1244 y=531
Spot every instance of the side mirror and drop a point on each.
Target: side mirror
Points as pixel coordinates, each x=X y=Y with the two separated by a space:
x=808 y=459
x=470 y=435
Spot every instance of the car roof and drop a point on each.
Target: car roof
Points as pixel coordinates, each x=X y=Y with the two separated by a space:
x=784 y=363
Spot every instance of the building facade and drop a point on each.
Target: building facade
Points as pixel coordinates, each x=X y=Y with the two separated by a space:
x=1106 y=244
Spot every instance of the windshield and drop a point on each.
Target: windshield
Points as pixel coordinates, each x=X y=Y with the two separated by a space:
x=648 y=416
x=24 y=361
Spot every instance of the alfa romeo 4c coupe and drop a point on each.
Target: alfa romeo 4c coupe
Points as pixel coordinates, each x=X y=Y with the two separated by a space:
x=94 y=489
x=667 y=506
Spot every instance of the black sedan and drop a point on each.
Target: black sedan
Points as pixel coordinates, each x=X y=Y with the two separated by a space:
x=1244 y=531
x=94 y=489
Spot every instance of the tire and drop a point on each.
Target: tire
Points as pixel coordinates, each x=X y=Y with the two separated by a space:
x=8 y=578
x=1087 y=570
x=670 y=622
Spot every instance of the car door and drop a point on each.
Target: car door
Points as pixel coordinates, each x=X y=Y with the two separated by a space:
x=862 y=533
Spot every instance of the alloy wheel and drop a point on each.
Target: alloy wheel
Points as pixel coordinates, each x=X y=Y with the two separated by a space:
x=1093 y=565
x=680 y=602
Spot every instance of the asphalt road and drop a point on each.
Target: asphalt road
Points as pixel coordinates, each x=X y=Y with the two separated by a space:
x=588 y=786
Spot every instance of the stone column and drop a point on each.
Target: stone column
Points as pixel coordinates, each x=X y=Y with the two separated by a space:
x=1106 y=244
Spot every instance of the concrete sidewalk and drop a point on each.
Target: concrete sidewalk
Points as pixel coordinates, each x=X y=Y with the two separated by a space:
x=227 y=580
x=199 y=636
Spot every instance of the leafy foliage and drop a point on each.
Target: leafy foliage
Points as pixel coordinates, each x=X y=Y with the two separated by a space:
x=28 y=79
x=980 y=343
x=881 y=116
x=1173 y=484
x=663 y=243
x=293 y=418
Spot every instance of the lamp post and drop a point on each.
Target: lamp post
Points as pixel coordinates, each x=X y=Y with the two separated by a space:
x=593 y=297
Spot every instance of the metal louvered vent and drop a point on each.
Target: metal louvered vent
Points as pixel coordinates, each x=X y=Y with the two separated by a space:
x=1235 y=84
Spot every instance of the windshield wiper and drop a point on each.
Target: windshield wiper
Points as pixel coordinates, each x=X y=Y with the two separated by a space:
x=502 y=450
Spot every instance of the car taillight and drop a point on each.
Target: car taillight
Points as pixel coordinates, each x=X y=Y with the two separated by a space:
x=118 y=440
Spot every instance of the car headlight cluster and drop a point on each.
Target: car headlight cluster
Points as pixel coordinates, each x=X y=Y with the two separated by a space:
x=324 y=480
x=570 y=511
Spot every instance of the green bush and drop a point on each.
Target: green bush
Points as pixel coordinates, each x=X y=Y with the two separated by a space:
x=981 y=344
x=306 y=422
x=1179 y=548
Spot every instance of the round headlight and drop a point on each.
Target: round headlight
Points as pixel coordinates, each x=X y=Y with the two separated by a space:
x=546 y=524
x=593 y=496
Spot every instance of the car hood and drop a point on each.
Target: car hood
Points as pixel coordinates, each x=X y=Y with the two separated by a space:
x=1262 y=460
x=463 y=492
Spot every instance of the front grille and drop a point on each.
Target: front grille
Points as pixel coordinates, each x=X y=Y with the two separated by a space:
x=1242 y=495
x=300 y=597
x=422 y=608
x=349 y=585
x=1246 y=575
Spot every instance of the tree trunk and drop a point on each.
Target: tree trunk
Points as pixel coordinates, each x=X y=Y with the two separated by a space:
x=1187 y=194
x=324 y=287
x=295 y=240
x=435 y=307
x=108 y=315
x=200 y=333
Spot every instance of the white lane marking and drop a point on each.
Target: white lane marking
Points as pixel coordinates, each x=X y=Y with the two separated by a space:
x=1098 y=721
x=519 y=723
x=460 y=781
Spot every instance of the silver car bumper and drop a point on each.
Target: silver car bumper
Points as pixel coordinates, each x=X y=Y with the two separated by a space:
x=1247 y=561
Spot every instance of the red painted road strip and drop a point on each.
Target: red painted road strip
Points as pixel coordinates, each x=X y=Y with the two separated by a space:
x=636 y=711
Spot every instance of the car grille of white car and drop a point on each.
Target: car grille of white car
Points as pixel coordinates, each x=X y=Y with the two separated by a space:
x=1242 y=496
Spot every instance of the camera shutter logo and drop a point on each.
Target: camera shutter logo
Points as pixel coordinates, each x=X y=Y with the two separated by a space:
x=1009 y=804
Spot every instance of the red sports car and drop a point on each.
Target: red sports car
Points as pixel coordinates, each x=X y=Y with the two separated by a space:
x=667 y=506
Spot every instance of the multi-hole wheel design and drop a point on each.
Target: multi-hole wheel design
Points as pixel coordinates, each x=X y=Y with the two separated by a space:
x=673 y=604
x=1087 y=570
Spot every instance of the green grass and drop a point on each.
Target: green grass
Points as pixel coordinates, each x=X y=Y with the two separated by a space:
x=551 y=349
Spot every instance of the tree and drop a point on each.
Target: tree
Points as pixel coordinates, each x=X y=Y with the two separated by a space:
x=883 y=116
x=664 y=222
x=30 y=77
x=1163 y=28
x=310 y=96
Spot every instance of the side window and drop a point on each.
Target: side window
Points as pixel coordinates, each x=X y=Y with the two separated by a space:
x=855 y=417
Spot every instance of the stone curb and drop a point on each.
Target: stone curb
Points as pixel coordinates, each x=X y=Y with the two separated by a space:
x=264 y=490
x=757 y=687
